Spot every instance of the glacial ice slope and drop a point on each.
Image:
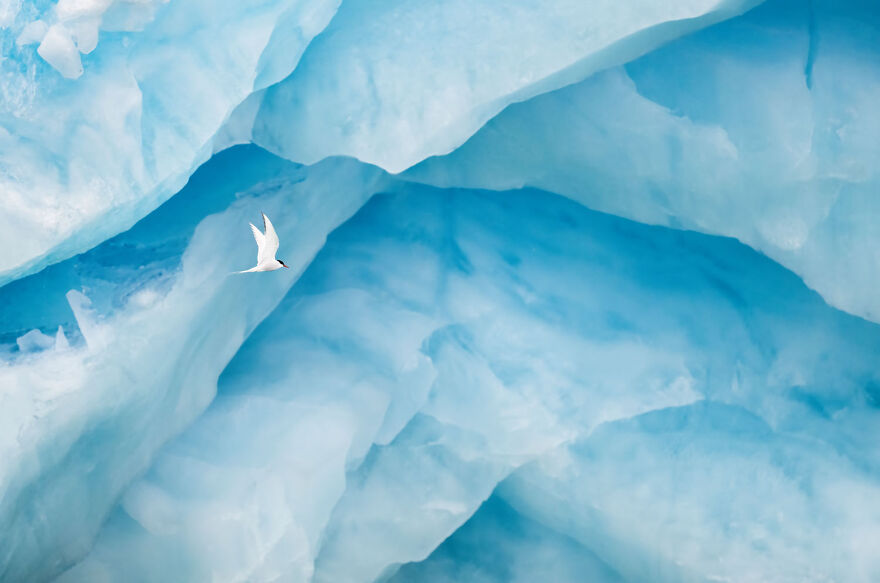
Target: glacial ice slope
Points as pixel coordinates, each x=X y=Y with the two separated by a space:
x=83 y=159
x=656 y=405
x=78 y=422
x=391 y=83
x=763 y=128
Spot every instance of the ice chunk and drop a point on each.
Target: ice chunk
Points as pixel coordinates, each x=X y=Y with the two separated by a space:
x=721 y=132
x=32 y=33
x=94 y=333
x=61 y=342
x=59 y=50
x=77 y=23
x=85 y=34
x=34 y=341
x=393 y=83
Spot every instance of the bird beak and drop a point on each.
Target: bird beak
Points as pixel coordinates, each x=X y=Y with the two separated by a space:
x=286 y=266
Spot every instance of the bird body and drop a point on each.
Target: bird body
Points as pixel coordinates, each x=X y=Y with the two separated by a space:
x=267 y=246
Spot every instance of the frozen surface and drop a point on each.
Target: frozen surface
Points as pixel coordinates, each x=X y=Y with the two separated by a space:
x=391 y=83
x=655 y=405
x=450 y=384
x=83 y=159
x=77 y=425
x=762 y=128
x=498 y=545
x=739 y=499
x=107 y=106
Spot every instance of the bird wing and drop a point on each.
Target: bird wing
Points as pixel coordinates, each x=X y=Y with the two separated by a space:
x=261 y=243
x=271 y=246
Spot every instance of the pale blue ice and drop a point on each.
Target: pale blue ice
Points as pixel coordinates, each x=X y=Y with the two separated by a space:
x=579 y=291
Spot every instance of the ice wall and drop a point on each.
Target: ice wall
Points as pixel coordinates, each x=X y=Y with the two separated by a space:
x=391 y=83
x=107 y=107
x=742 y=500
x=461 y=374
x=79 y=424
x=83 y=159
x=760 y=128
x=448 y=344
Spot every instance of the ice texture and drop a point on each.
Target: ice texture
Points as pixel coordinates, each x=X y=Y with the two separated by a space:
x=639 y=402
x=499 y=545
x=107 y=106
x=82 y=160
x=761 y=128
x=77 y=425
x=565 y=328
x=742 y=500
x=391 y=83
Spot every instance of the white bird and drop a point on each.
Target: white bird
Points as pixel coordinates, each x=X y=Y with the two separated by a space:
x=267 y=246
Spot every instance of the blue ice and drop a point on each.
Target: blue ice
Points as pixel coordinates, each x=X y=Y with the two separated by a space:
x=578 y=291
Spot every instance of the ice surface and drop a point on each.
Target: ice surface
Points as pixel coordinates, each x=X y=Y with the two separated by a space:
x=34 y=341
x=59 y=50
x=391 y=83
x=450 y=384
x=78 y=425
x=498 y=545
x=82 y=160
x=143 y=92
x=741 y=500
x=445 y=342
x=761 y=128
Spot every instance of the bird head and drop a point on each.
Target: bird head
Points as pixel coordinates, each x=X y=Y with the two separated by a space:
x=282 y=263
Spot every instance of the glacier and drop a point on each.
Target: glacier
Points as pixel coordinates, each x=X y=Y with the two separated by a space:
x=578 y=291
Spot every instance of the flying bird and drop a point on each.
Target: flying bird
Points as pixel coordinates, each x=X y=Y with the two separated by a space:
x=267 y=246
